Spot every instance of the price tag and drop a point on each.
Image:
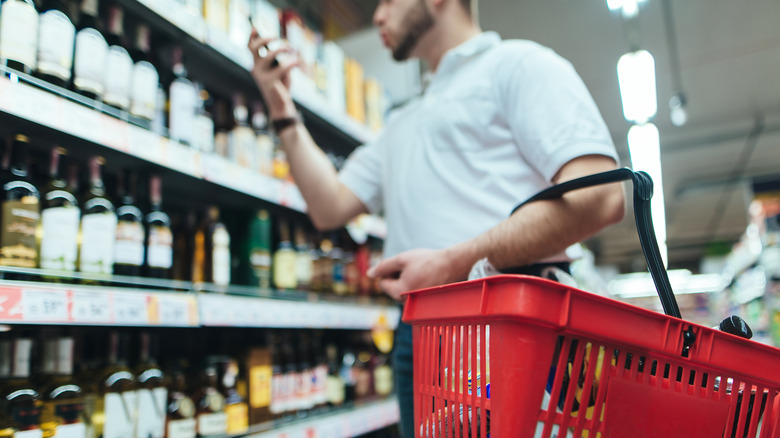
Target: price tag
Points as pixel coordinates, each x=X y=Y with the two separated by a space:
x=145 y=144
x=175 y=310
x=183 y=159
x=91 y=307
x=82 y=122
x=44 y=108
x=11 y=308
x=45 y=306
x=130 y=308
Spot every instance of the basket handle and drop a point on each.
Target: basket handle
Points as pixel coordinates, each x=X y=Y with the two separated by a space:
x=643 y=193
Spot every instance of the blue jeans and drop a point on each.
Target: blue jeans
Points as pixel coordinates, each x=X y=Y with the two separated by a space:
x=404 y=382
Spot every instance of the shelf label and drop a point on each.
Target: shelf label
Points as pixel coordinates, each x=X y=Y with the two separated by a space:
x=10 y=304
x=177 y=311
x=91 y=307
x=114 y=133
x=131 y=308
x=45 y=305
x=145 y=144
x=184 y=159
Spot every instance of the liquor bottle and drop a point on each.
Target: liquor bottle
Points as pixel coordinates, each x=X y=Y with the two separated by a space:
x=62 y=398
x=303 y=259
x=98 y=226
x=203 y=140
x=159 y=253
x=260 y=249
x=210 y=403
x=284 y=260
x=259 y=370
x=265 y=142
x=20 y=399
x=337 y=256
x=56 y=37
x=152 y=395
x=59 y=220
x=20 y=208
x=119 y=65
x=184 y=247
x=183 y=101
x=320 y=361
x=19 y=35
x=278 y=390
x=89 y=59
x=145 y=78
x=242 y=137
x=223 y=124
x=236 y=408
x=212 y=251
x=116 y=397
x=7 y=425
x=348 y=373
x=335 y=386
x=180 y=419
x=129 y=246
x=304 y=385
x=363 y=368
x=322 y=279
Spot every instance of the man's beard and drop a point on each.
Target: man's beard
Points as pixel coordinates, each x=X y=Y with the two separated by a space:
x=418 y=21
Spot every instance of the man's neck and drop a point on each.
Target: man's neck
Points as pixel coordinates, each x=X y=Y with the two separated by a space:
x=440 y=41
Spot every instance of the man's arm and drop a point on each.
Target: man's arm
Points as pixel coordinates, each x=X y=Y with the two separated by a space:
x=330 y=204
x=536 y=231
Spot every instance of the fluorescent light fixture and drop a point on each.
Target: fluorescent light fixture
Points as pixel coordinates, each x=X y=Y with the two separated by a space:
x=615 y=5
x=640 y=284
x=677 y=111
x=630 y=8
x=636 y=77
x=644 y=146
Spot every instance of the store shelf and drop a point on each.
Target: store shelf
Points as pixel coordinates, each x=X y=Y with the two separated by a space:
x=211 y=44
x=361 y=419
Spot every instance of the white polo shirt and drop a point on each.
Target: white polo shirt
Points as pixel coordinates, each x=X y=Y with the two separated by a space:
x=495 y=124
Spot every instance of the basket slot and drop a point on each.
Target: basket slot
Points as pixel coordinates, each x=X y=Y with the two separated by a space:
x=593 y=365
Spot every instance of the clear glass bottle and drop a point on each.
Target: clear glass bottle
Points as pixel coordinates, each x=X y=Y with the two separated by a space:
x=152 y=393
x=183 y=99
x=19 y=35
x=60 y=217
x=91 y=50
x=119 y=65
x=159 y=240
x=116 y=398
x=98 y=225
x=63 y=399
x=284 y=260
x=56 y=37
x=145 y=77
x=129 y=247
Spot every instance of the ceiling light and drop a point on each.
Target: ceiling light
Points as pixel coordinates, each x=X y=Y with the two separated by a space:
x=677 y=110
x=640 y=284
x=630 y=8
x=644 y=147
x=636 y=78
x=614 y=5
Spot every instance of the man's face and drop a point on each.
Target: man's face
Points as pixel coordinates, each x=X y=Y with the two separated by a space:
x=402 y=23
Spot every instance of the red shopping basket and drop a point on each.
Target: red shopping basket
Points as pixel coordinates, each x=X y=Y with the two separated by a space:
x=520 y=356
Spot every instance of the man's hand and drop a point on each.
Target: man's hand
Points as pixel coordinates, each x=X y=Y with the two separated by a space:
x=273 y=80
x=415 y=269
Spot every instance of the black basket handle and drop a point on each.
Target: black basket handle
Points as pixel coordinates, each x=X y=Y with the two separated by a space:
x=643 y=193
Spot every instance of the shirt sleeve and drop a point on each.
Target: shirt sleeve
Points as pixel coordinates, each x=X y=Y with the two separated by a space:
x=550 y=112
x=362 y=175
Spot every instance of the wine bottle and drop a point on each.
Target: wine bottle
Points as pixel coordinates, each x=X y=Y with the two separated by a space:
x=59 y=220
x=242 y=137
x=145 y=78
x=98 y=226
x=236 y=408
x=184 y=247
x=204 y=124
x=89 y=59
x=129 y=248
x=159 y=241
x=119 y=65
x=20 y=209
x=260 y=249
x=152 y=395
x=211 y=416
x=181 y=410
x=19 y=35
x=303 y=259
x=62 y=397
x=183 y=101
x=20 y=399
x=56 y=37
x=216 y=250
x=264 y=140
x=284 y=260
x=114 y=415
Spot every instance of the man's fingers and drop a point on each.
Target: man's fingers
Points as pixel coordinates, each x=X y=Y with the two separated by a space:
x=386 y=268
x=269 y=57
x=256 y=43
x=284 y=71
x=392 y=287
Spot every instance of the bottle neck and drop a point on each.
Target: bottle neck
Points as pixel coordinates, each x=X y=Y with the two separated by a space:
x=19 y=160
x=155 y=193
x=95 y=178
x=21 y=358
x=115 y=21
x=54 y=164
x=89 y=13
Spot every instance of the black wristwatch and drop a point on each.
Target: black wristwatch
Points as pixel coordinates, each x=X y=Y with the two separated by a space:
x=279 y=125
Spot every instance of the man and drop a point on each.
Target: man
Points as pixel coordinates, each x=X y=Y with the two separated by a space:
x=498 y=122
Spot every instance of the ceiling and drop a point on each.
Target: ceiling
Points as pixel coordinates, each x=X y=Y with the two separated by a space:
x=729 y=70
x=724 y=55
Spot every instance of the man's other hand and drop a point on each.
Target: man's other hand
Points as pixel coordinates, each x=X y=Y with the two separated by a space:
x=412 y=270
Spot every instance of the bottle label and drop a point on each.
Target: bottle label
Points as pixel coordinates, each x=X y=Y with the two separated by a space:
x=59 y=413
x=118 y=76
x=243 y=144
x=56 y=37
x=183 y=101
x=265 y=154
x=212 y=424
x=59 y=243
x=277 y=393
x=129 y=248
x=321 y=384
x=260 y=378
x=204 y=137
x=187 y=428
x=19 y=32
x=383 y=380
x=284 y=269
x=237 y=418
x=289 y=399
x=98 y=234
x=303 y=389
x=89 y=61
x=120 y=414
x=303 y=268
x=144 y=90
x=151 y=413
x=78 y=430
x=160 y=247
x=18 y=246
x=335 y=390
x=221 y=257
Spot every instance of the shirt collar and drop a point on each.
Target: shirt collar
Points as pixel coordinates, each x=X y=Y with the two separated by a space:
x=473 y=46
